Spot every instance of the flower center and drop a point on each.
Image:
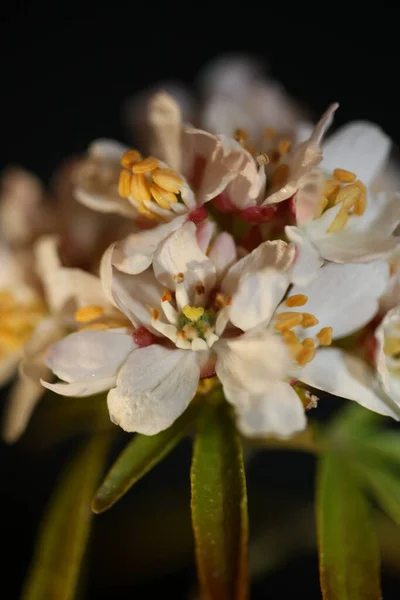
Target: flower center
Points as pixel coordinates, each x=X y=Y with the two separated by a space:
x=346 y=190
x=302 y=348
x=17 y=321
x=148 y=187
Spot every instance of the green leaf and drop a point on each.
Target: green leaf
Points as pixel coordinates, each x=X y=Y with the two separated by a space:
x=64 y=532
x=383 y=484
x=139 y=457
x=219 y=507
x=384 y=445
x=348 y=551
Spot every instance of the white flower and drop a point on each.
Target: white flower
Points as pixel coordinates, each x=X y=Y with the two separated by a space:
x=32 y=322
x=340 y=219
x=273 y=172
x=193 y=315
x=190 y=167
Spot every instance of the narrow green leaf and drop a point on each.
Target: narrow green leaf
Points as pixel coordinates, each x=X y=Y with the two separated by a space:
x=385 y=445
x=64 y=532
x=348 y=550
x=219 y=507
x=139 y=457
x=383 y=484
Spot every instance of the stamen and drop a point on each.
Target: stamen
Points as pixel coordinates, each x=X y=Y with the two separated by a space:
x=325 y=336
x=296 y=300
x=179 y=278
x=284 y=146
x=241 y=135
x=162 y=197
x=321 y=206
x=124 y=183
x=288 y=320
x=145 y=166
x=306 y=356
x=309 y=320
x=94 y=327
x=199 y=289
x=146 y=212
x=262 y=159
x=155 y=314
x=140 y=188
x=168 y=180
x=166 y=297
x=344 y=176
x=170 y=312
x=331 y=188
x=339 y=222
x=361 y=203
x=308 y=343
x=88 y=313
x=280 y=175
x=181 y=295
x=348 y=195
x=130 y=158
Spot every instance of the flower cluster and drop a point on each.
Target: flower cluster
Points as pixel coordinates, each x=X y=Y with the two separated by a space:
x=245 y=255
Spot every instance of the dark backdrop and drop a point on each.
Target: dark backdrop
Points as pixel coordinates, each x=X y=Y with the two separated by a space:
x=65 y=72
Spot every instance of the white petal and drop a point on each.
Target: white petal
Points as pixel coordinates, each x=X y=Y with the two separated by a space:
x=344 y=297
x=381 y=216
x=180 y=253
x=346 y=247
x=308 y=260
x=105 y=204
x=24 y=396
x=257 y=297
x=135 y=253
x=164 y=117
x=46 y=333
x=249 y=361
x=277 y=411
x=342 y=374
x=360 y=147
x=154 y=387
x=204 y=233
x=276 y=255
x=81 y=388
x=223 y=253
x=89 y=354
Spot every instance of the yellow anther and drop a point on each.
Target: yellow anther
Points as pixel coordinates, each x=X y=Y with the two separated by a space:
x=130 y=158
x=262 y=159
x=193 y=313
x=146 y=212
x=295 y=348
x=179 y=278
x=155 y=314
x=339 y=222
x=289 y=336
x=296 y=300
x=348 y=195
x=284 y=146
x=88 y=313
x=325 y=336
x=288 y=320
x=308 y=343
x=145 y=166
x=361 y=203
x=140 y=189
x=167 y=296
x=344 y=176
x=331 y=188
x=124 y=184
x=321 y=206
x=305 y=356
x=162 y=197
x=391 y=345
x=280 y=175
x=168 y=180
x=309 y=320
x=9 y=339
x=95 y=327
x=241 y=134
x=269 y=132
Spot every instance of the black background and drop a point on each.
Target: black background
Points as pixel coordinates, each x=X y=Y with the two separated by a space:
x=65 y=72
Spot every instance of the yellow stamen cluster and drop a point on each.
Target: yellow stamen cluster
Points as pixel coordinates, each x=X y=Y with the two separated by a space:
x=347 y=191
x=304 y=351
x=93 y=318
x=17 y=321
x=143 y=181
